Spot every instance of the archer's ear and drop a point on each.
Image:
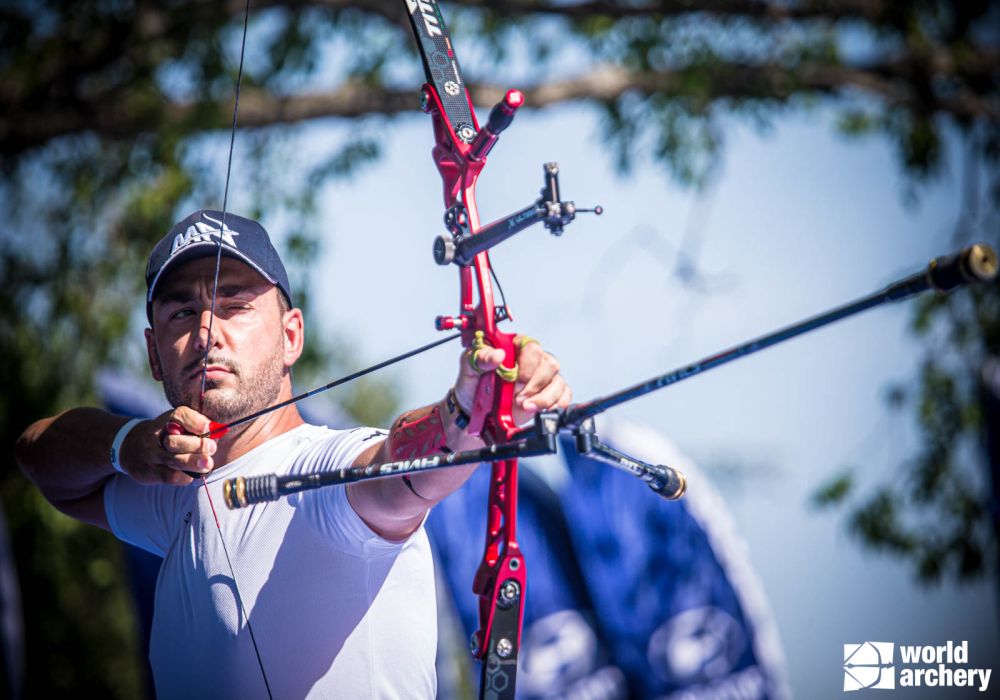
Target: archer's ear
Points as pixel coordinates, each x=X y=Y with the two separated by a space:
x=153 y=356
x=294 y=336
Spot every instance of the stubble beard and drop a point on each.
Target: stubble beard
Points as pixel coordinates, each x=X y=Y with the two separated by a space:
x=253 y=391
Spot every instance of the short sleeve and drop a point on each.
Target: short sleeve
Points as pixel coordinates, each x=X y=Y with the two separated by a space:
x=329 y=509
x=335 y=450
x=142 y=515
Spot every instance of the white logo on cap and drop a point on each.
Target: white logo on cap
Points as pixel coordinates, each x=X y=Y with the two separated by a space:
x=200 y=232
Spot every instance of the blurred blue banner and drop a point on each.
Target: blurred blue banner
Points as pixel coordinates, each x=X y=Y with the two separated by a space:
x=629 y=596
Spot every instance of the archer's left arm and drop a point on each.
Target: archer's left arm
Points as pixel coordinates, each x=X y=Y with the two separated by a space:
x=395 y=507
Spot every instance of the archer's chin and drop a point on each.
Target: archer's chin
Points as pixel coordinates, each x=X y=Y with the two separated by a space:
x=222 y=405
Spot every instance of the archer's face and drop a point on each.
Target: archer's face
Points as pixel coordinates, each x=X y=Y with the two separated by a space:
x=250 y=350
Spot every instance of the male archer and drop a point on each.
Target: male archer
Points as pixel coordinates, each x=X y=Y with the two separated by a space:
x=336 y=584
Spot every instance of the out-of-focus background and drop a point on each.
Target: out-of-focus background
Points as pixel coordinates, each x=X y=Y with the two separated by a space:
x=758 y=162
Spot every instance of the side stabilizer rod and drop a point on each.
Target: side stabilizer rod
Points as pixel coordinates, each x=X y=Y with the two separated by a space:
x=663 y=480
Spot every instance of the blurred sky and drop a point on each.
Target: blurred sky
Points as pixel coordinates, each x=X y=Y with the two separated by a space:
x=799 y=220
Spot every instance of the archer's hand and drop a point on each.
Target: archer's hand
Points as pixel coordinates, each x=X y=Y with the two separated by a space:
x=154 y=453
x=538 y=387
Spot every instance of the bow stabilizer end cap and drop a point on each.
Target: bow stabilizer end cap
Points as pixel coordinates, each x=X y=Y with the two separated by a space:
x=444 y=250
x=977 y=263
x=667 y=483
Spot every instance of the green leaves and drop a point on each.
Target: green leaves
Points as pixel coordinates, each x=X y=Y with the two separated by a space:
x=833 y=491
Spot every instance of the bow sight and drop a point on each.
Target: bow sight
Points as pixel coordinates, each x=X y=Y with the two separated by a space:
x=461 y=248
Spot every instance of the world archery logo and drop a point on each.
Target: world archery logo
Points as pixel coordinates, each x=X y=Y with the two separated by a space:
x=869 y=665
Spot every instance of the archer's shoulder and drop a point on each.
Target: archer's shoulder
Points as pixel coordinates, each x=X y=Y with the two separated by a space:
x=322 y=448
x=309 y=432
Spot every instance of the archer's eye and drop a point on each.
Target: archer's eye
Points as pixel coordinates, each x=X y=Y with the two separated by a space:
x=181 y=314
x=236 y=307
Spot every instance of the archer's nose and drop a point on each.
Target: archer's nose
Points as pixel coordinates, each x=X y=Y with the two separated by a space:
x=206 y=329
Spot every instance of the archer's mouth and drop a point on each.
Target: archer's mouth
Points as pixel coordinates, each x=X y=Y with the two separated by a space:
x=212 y=372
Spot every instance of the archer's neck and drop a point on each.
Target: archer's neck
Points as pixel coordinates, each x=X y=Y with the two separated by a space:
x=239 y=442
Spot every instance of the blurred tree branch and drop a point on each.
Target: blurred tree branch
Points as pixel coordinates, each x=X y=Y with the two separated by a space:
x=889 y=81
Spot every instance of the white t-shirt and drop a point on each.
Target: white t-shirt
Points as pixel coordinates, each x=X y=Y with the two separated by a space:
x=337 y=611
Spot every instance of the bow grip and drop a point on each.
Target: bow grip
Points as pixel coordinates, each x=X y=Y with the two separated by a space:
x=482 y=404
x=487 y=389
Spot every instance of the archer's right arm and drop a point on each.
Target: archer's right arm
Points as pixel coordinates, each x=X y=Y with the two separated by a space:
x=68 y=456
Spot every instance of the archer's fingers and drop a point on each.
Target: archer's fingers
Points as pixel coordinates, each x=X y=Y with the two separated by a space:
x=164 y=468
x=540 y=370
x=181 y=436
x=182 y=444
x=197 y=462
x=480 y=361
x=190 y=420
x=566 y=398
x=550 y=396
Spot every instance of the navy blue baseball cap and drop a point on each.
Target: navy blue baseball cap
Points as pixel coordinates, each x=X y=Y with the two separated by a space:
x=199 y=236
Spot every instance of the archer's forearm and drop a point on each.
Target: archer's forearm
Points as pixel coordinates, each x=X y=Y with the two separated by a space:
x=68 y=456
x=434 y=485
x=395 y=506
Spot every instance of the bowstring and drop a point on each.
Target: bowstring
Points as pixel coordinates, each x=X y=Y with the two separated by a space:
x=208 y=342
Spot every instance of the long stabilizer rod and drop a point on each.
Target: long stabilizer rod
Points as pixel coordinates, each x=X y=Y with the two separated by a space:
x=977 y=263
